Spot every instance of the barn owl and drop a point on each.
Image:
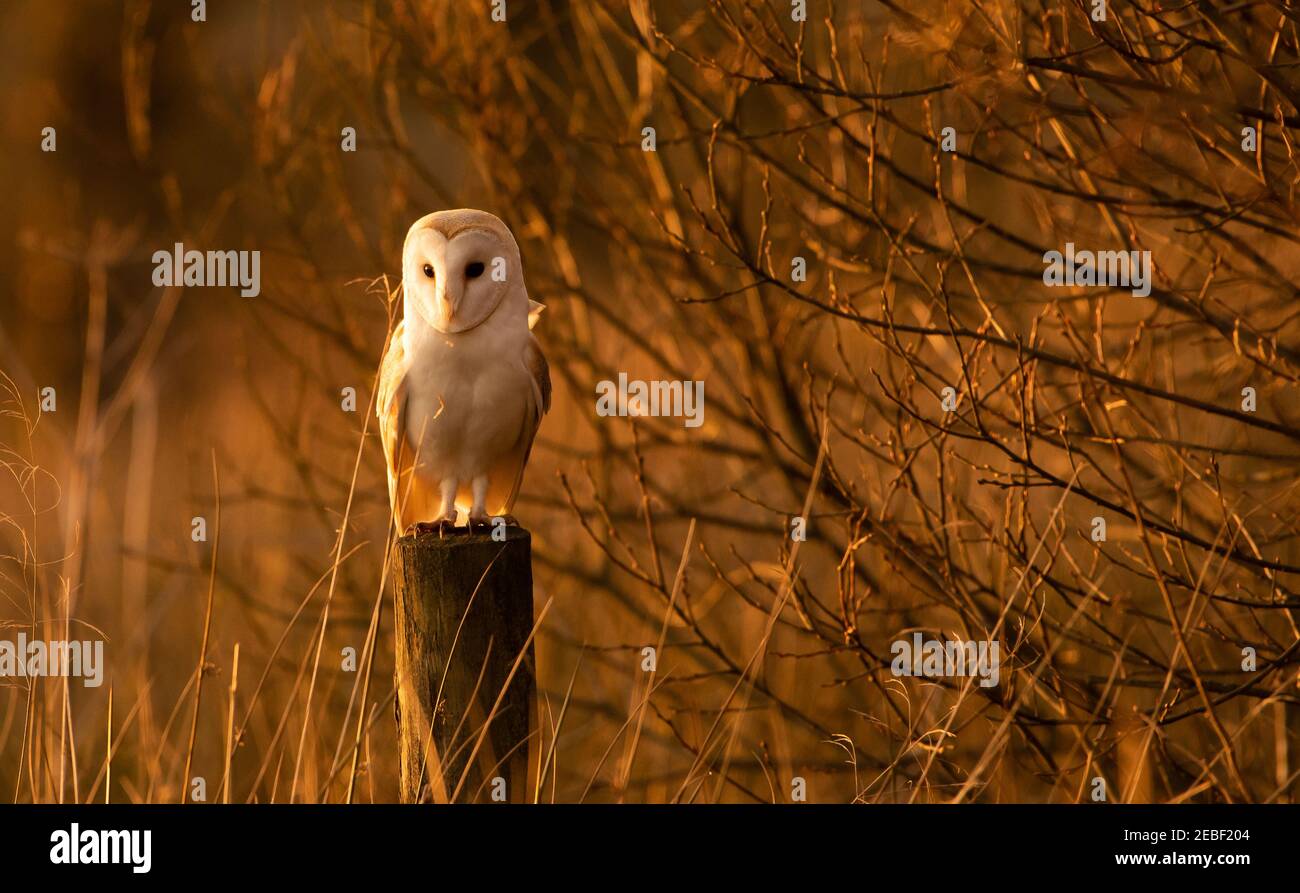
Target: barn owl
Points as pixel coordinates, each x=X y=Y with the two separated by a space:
x=463 y=384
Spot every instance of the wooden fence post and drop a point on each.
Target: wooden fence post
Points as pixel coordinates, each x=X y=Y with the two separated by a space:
x=464 y=613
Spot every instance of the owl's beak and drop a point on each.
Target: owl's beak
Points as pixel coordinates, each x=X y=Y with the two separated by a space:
x=445 y=307
x=447 y=303
x=448 y=297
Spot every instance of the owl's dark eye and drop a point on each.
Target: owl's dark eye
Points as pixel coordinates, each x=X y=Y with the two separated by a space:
x=428 y=270
x=474 y=270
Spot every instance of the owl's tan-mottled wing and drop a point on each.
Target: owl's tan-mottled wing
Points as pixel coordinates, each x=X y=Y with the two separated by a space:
x=535 y=362
x=390 y=406
x=540 y=375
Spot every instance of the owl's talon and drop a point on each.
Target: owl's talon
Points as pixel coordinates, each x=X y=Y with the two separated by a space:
x=510 y=520
x=480 y=522
x=442 y=526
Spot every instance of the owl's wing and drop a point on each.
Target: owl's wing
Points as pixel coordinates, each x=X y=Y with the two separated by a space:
x=535 y=363
x=390 y=406
x=540 y=379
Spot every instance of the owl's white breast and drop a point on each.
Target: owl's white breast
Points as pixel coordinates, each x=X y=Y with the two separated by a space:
x=468 y=398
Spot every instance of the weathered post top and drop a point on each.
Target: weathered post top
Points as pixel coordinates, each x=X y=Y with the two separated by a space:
x=464 y=613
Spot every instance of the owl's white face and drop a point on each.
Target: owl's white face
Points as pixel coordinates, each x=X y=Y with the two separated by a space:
x=449 y=282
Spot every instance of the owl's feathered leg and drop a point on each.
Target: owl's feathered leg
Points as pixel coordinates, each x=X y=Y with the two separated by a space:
x=446 y=520
x=478 y=516
x=447 y=488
